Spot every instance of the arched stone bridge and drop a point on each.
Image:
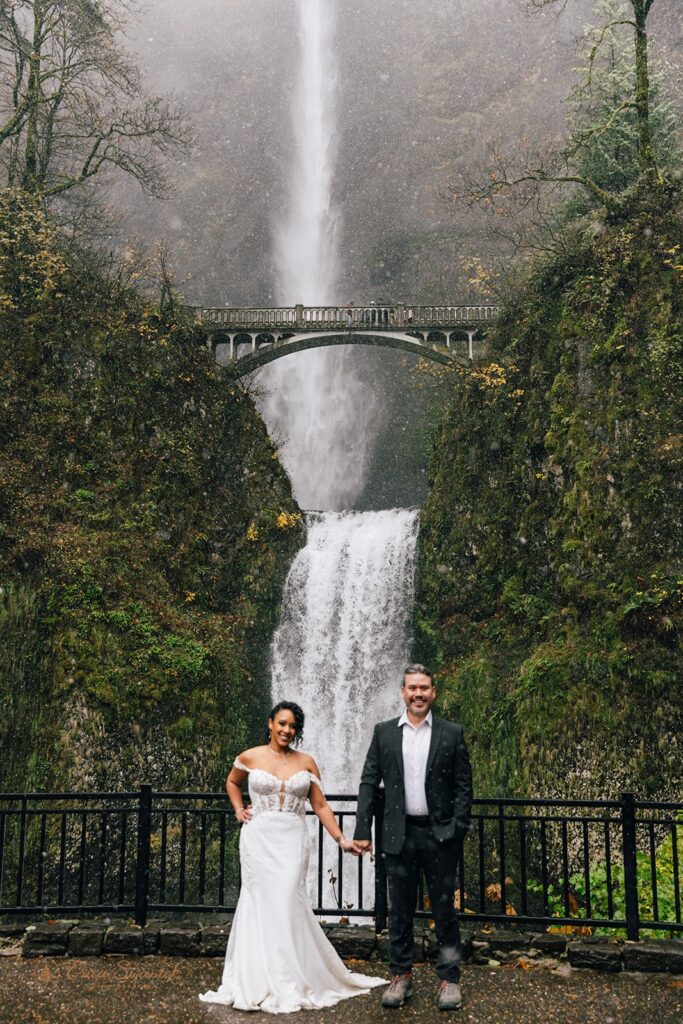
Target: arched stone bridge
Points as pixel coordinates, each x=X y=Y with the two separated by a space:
x=253 y=337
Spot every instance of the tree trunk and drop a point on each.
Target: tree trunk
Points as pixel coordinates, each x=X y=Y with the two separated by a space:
x=646 y=153
x=30 y=181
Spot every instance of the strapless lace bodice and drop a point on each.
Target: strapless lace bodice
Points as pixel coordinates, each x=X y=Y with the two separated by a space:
x=269 y=793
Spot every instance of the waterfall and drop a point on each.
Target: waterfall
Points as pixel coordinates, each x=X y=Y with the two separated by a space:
x=317 y=403
x=343 y=636
x=306 y=238
x=344 y=633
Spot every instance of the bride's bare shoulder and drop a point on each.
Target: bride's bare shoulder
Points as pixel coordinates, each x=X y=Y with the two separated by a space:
x=308 y=763
x=251 y=756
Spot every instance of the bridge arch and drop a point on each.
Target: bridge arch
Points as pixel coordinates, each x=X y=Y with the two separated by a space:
x=264 y=352
x=255 y=336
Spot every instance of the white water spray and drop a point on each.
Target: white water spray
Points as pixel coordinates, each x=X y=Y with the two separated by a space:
x=343 y=635
x=343 y=638
x=306 y=238
x=344 y=632
x=317 y=402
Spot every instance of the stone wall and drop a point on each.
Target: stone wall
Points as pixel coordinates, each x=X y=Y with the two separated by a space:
x=492 y=948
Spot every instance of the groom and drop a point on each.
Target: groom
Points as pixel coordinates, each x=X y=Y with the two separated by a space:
x=424 y=764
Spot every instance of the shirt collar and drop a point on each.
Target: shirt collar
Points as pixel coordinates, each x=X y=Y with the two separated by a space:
x=404 y=720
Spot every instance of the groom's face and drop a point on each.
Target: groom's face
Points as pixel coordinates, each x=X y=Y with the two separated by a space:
x=418 y=693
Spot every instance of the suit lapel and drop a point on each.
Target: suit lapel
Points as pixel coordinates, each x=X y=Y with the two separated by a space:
x=437 y=726
x=398 y=750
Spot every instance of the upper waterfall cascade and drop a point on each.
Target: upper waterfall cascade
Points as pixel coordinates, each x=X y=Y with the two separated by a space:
x=318 y=403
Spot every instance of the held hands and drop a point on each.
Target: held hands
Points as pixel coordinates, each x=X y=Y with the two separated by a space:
x=363 y=846
x=355 y=846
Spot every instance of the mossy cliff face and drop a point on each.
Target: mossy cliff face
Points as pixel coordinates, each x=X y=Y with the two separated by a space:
x=146 y=527
x=550 y=584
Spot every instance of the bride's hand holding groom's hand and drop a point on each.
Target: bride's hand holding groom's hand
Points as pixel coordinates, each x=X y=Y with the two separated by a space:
x=350 y=846
x=363 y=846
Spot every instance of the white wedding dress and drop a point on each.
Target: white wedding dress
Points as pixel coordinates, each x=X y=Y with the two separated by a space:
x=278 y=958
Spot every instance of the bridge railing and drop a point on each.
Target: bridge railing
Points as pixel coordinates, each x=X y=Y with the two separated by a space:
x=583 y=863
x=387 y=317
x=235 y=318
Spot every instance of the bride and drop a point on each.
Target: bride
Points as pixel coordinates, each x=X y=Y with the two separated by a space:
x=278 y=958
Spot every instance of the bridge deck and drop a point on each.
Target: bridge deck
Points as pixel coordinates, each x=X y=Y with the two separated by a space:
x=256 y=336
x=316 y=318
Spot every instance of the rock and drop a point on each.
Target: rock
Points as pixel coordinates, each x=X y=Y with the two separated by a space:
x=480 y=951
x=11 y=947
x=123 y=938
x=426 y=942
x=526 y=962
x=214 y=940
x=467 y=943
x=508 y=941
x=507 y=957
x=86 y=939
x=664 y=957
x=179 y=940
x=549 y=942
x=12 y=930
x=353 y=943
x=150 y=937
x=382 y=951
x=600 y=956
x=47 y=938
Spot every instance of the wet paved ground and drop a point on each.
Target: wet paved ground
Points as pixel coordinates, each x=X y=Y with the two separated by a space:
x=162 y=990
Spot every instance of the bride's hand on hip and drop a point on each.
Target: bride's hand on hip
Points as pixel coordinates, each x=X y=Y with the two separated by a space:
x=243 y=815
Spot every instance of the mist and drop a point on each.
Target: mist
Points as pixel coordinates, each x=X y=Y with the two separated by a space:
x=422 y=91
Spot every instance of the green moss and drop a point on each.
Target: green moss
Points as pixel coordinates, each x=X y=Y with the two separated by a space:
x=550 y=548
x=132 y=472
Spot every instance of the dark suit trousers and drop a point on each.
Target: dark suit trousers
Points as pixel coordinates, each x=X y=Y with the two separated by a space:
x=439 y=861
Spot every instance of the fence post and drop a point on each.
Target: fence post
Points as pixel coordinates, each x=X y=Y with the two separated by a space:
x=380 y=871
x=299 y=315
x=144 y=843
x=22 y=851
x=628 y=834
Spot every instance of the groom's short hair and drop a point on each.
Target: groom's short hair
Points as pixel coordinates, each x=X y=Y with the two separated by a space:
x=417 y=670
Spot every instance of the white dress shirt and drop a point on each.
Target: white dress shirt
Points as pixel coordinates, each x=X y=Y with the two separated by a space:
x=416 y=739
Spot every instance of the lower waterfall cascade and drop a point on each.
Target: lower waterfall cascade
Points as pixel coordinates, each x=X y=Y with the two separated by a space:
x=344 y=633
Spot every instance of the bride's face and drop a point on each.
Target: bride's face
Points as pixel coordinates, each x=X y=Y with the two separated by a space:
x=283 y=728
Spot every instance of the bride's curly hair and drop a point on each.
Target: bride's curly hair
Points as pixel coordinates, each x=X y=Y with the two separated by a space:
x=289 y=705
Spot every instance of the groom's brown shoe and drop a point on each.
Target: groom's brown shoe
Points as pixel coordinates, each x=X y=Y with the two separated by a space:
x=400 y=989
x=449 y=996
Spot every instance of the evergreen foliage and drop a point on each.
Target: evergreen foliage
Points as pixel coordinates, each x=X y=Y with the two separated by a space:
x=604 y=124
x=145 y=529
x=550 y=594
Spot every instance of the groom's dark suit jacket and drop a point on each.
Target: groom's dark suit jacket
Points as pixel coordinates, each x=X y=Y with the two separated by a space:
x=448 y=784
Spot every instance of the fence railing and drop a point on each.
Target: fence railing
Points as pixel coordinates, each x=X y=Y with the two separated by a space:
x=581 y=863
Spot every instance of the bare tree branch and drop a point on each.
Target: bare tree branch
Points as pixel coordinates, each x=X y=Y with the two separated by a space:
x=514 y=182
x=74 y=104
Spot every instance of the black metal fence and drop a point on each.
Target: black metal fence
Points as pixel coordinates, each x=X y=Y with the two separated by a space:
x=583 y=863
